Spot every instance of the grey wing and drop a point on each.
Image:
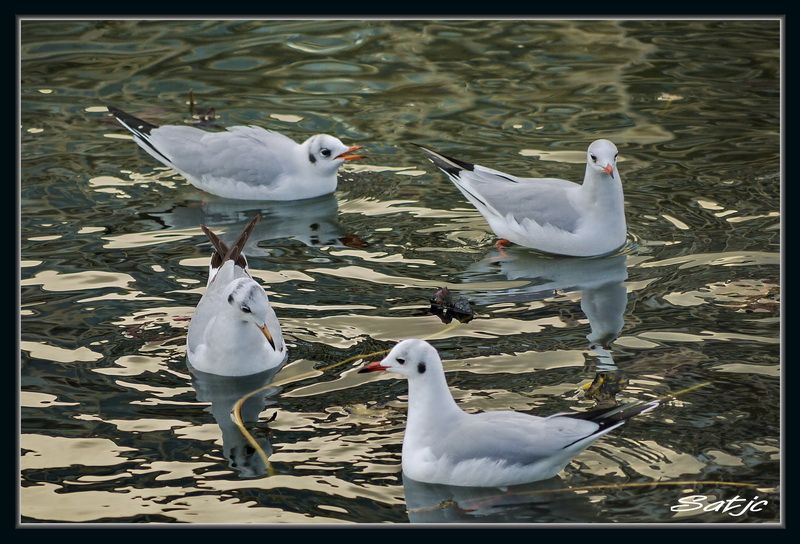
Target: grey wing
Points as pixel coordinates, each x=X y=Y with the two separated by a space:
x=247 y=154
x=204 y=313
x=544 y=200
x=518 y=438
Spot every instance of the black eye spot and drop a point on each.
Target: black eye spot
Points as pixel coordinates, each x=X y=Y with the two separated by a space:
x=312 y=158
x=401 y=361
x=421 y=368
x=594 y=158
x=230 y=298
x=246 y=309
x=325 y=152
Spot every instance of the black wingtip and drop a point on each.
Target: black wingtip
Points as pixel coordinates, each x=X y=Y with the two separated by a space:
x=606 y=417
x=236 y=250
x=134 y=124
x=612 y=417
x=220 y=248
x=447 y=164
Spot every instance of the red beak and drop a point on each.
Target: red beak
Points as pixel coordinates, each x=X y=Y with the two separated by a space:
x=372 y=367
x=346 y=155
x=609 y=169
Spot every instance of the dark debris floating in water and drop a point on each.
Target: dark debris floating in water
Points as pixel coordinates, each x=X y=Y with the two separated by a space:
x=448 y=307
x=208 y=119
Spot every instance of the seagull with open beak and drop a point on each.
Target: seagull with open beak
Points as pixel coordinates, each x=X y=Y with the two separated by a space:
x=244 y=162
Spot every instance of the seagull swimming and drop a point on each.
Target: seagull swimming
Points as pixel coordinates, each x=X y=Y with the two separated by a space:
x=548 y=214
x=244 y=162
x=445 y=445
x=234 y=331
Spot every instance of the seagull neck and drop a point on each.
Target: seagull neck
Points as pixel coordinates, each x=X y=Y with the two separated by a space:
x=430 y=400
x=603 y=190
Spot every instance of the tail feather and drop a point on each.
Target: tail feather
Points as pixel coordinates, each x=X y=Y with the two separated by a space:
x=235 y=252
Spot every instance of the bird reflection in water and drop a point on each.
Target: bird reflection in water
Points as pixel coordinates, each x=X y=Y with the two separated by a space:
x=546 y=501
x=313 y=222
x=223 y=392
x=600 y=281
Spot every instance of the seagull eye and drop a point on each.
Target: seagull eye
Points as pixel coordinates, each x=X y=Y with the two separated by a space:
x=615 y=156
x=325 y=152
x=401 y=361
x=246 y=309
x=594 y=158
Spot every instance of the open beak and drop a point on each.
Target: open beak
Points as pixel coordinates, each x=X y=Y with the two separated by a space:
x=267 y=335
x=372 y=367
x=347 y=154
x=609 y=169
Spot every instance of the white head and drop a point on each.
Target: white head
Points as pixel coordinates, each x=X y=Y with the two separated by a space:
x=327 y=153
x=601 y=157
x=248 y=301
x=414 y=359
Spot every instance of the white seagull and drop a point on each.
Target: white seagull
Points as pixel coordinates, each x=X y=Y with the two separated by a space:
x=244 y=162
x=234 y=331
x=445 y=445
x=548 y=214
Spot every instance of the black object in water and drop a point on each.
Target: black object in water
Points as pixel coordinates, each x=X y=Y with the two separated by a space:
x=447 y=307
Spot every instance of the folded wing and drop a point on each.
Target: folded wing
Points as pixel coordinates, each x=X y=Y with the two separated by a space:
x=546 y=201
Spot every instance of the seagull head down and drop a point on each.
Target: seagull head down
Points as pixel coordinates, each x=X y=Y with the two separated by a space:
x=327 y=153
x=601 y=157
x=248 y=303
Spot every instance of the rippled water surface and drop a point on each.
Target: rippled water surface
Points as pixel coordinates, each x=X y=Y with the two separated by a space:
x=115 y=428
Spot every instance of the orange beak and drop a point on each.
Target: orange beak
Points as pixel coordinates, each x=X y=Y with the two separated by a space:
x=346 y=155
x=372 y=367
x=609 y=169
x=267 y=335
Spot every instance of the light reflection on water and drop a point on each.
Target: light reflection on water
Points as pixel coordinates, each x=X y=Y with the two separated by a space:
x=113 y=263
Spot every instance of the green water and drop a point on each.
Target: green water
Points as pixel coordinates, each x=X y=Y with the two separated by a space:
x=115 y=428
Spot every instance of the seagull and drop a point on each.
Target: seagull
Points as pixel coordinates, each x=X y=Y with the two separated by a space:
x=244 y=162
x=445 y=445
x=548 y=214
x=234 y=331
